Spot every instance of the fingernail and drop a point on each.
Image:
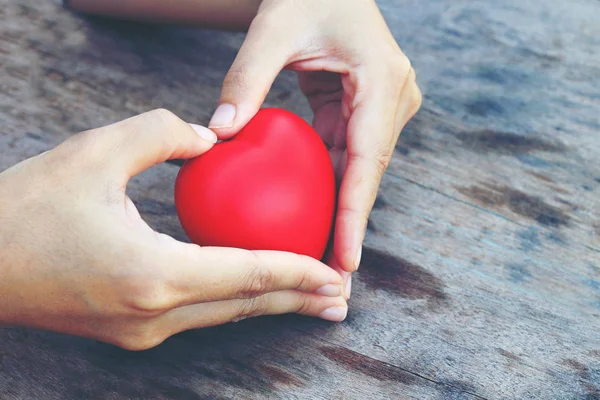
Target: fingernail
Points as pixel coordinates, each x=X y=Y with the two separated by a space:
x=336 y=313
x=205 y=133
x=330 y=290
x=223 y=116
x=358 y=256
x=348 y=287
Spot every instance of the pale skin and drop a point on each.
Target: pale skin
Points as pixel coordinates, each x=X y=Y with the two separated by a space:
x=76 y=256
x=145 y=286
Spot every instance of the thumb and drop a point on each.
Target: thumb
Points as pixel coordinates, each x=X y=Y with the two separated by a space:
x=249 y=79
x=137 y=143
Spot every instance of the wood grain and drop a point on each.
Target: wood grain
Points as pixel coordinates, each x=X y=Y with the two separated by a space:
x=481 y=277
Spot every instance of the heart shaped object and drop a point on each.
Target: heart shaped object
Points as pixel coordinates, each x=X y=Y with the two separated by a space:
x=271 y=187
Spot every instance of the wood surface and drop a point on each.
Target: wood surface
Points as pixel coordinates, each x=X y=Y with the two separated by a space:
x=481 y=277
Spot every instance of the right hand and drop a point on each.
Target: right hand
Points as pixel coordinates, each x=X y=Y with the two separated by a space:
x=359 y=84
x=76 y=257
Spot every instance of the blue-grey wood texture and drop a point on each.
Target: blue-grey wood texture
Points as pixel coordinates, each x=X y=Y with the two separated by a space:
x=481 y=277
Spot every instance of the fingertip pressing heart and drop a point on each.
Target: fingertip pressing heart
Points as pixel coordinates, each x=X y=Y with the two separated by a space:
x=205 y=133
x=223 y=117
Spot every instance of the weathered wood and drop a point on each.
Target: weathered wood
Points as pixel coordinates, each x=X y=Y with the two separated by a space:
x=482 y=273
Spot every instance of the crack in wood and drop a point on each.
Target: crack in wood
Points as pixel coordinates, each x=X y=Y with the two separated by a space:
x=391 y=365
x=592 y=248
x=475 y=206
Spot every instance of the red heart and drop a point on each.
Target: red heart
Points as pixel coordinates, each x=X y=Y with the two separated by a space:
x=271 y=187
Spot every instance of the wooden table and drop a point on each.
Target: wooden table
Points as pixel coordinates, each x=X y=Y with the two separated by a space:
x=481 y=278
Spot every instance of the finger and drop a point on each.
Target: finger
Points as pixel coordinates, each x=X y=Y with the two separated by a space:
x=205 y=274
x=370 y=144
x=414 y=98
x=276 y=303
x=346 y=276
x=250 y=77
x=131 y=146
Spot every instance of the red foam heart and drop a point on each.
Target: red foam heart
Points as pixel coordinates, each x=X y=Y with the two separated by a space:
x=271 y=187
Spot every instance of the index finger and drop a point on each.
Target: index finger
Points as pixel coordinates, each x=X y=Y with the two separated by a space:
x=373 y=130
x=203 y=274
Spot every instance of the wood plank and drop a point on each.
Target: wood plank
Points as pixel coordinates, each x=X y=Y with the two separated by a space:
x=482 y=274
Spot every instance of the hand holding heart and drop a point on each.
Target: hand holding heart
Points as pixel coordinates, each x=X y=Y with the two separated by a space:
x=360 y=86
x=76 y=257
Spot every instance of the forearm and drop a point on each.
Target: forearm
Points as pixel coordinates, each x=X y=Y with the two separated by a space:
x=222 y=14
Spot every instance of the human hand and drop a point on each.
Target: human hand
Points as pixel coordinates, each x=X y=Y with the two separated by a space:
x=360 y=86
x=76 y=257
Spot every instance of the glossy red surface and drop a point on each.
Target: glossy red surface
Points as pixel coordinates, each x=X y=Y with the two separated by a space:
x=271 y=187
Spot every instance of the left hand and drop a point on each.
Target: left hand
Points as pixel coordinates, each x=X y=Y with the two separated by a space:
x=76 y=257
x=360 y=86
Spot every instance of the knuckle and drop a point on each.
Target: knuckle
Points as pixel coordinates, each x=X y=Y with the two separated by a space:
x=304 y=305
x=142 y=338
x=304 y=277
x=412 y=74
x=416 y=105
x=379 y=160
x=74 y=163
x=382 y=160
x=257 y=281
x=169 y=125
x=252 y=308
x=146 y=296
x=69 y=152
x=162 y=116
x=142 y=286
x=417 y=100
x=236 y=77
x=399 y=67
